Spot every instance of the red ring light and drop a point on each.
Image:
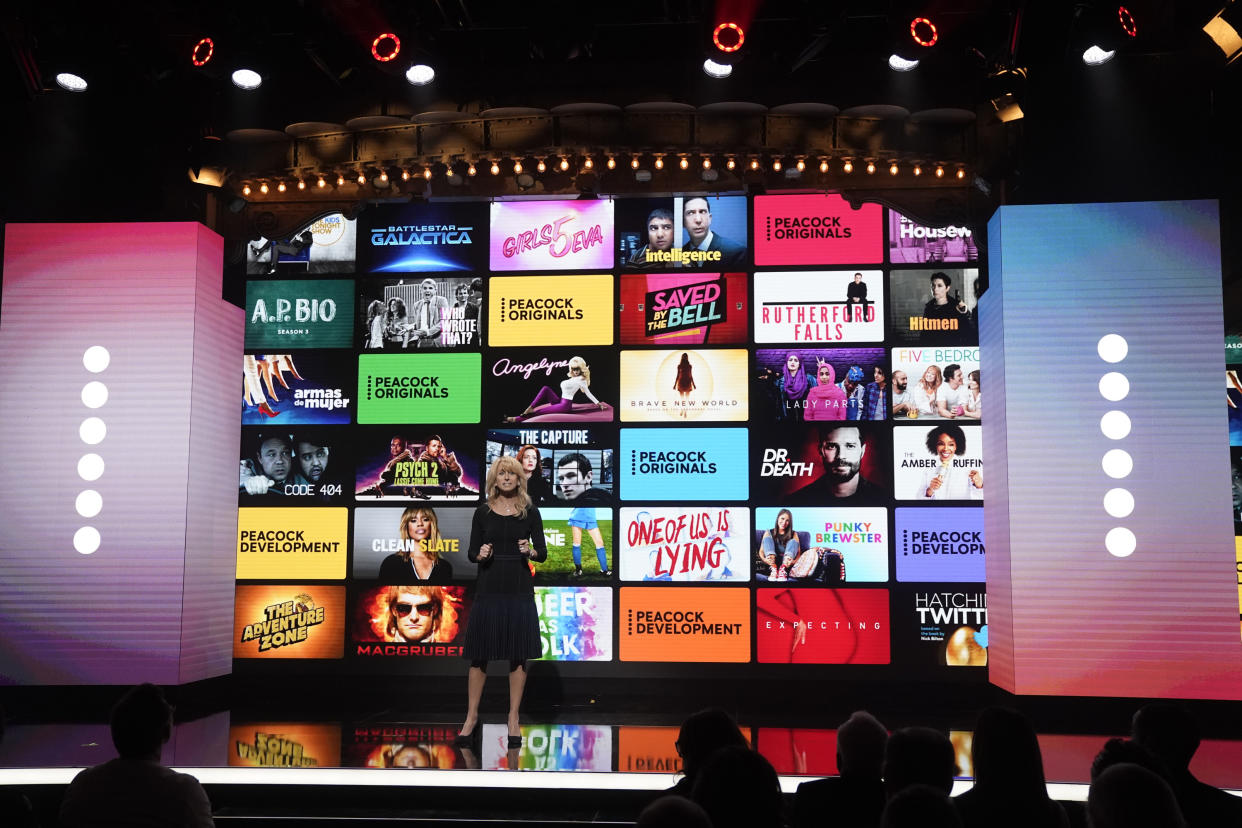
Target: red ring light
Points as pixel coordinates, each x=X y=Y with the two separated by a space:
x=737 y=32
x=396 y=47
x=929 y=40
x=196 y=55
x=1128 y=24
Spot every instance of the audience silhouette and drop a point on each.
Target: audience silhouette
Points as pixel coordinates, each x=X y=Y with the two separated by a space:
x=1009 y=784
x=855 y=798
x=1126 y=795
x=920 y=806
x=673 y=811
x=135 y=789
x=1171 y=735
x=918 y=756
x=738 y=788
x=702 y=734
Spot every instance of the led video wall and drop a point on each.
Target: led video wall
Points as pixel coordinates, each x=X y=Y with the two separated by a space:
x=752 y=427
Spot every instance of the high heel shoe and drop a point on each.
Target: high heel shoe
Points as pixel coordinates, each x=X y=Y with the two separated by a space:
x=465 y=740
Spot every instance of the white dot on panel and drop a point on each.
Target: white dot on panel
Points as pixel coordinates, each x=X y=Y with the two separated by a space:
x=1118 y=502
x=90 y=467
x=94 y=394
x=96 y=358
x=1115 y=425
x=1114 y=386
x=1112 y=348
x=92 y=431
x=1117 y=464
x=1120 y=542
x=89 y=503
x=86 y=540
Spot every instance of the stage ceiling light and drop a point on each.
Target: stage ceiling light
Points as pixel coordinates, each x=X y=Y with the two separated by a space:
x=1007 y=108
x=717 y=70
x=924 y=32
x=899 y=64
x=1128 y=24
x=201 y=54
x=1095 y=56
x=728 y=37
x=1223 y=29
x=71 y=82
x=247 y=79
x=385 y=47
x=420 y=74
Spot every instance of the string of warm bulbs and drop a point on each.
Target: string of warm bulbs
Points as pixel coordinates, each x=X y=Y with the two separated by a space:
x=790 y=165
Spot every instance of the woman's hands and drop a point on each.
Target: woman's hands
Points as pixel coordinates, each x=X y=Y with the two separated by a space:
x=485 y=552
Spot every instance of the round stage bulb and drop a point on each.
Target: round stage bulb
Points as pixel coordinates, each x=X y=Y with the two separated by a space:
x=1120 y=542
x=899 y=64
x=1118 y=503
x=1115 y=425
x=92 y=431
x=96 y=358
x=420 y=74
x=1112 y=347
x=88 y=503
x=90 y=467
x=86 y=540
x=71 y=82
x=1117 y=464
x=94 y=394
x=1114 y=386
x=247 y=79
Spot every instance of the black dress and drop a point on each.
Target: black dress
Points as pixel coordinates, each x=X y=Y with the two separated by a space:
x=398 y=571
x=504 y=623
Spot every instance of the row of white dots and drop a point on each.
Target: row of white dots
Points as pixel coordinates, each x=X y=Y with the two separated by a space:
x=92 y=431
x=1117 y=463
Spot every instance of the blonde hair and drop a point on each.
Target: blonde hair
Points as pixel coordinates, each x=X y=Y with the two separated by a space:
x=580 y=363
x=430 y=546
x=936 y=372
x=509 y=464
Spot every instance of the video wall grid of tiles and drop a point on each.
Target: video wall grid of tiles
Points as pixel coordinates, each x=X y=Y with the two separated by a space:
x=752 y=424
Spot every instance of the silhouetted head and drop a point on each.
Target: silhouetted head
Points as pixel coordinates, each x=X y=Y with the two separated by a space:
x=1006 y=755
x=1129 y=796
x=1168 y=731
x=739 y=789
x=920 y=806
x=860 y=745
x=918 y=756
x=673 y=811
x=141 y=723
x=1117 y=751
x=704 y=733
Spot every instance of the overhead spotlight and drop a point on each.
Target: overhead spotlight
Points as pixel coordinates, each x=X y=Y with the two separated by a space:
x=823 y=165
x=263 y=188
x=405 y=174
x=801 y=165
x=202 y=51
x=385 y=47
x=917 y=170
x=714 y=69
x=517 y=167
x=1007 y=108
x=659 y=162
x=961 y=173
x=684 y=163
x=471 y=170
x=612 y=163
x=754 y=163
x=495 y=168
x=892 y=168
x=301 y=183
x=321 y=183
x=247 y=79
x=939 y=171
x=383 y=176
x=427 y=173
x=848 y=166
x=541 y=166
x=899 y=64
x=362 y=178
x=1095 y=56
x=728 y=37
x=71 y=82
x=870 y=168
x=707 y=162
x=1005 y=86
x=340 y=181
x=587 y=163
x=420 y=74
x=634 y=162
x=1128 y=24
x=730 y=164
x=245 y=189
x=776 y=165
x=281 y=187
x=924 y=32
x=564 y=164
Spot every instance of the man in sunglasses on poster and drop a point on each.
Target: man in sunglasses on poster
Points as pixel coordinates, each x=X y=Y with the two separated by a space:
x=414 y=613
